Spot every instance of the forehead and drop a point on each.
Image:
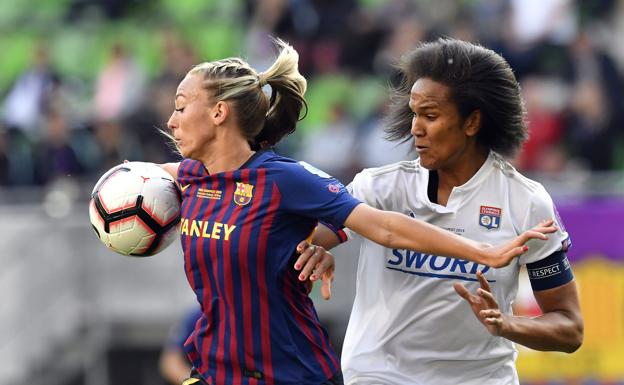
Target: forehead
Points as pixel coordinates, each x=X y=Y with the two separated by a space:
x=189 y=87
x=426 y=91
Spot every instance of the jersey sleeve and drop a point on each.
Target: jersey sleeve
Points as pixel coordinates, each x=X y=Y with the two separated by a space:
x=182 y=330
x=541 y=207
x=311 y=192
x=361 y=188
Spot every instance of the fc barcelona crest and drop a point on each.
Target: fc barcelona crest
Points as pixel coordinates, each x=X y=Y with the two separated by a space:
x=243 y=193
x=490 y=217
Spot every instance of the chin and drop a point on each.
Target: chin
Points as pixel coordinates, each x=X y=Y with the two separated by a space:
x=427 y=163
x=184 y=151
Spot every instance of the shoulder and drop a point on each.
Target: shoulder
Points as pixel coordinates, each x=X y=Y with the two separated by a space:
x=389 y=172
x=527 y=194
x=287 y=167
x=518 y=183
x=189 y=168
x=395 y=174
x=402 y=167
x=299 y=177
x=388 y=186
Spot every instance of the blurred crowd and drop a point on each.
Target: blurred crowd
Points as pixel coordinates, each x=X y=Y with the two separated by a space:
x=565 y=53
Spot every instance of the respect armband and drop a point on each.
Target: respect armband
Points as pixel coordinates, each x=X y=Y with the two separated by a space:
x=552 y=271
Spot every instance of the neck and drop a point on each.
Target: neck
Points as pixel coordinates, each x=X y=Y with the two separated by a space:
x=462 y=169
x=226 y=153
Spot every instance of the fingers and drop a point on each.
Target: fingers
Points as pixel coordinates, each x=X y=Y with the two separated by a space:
x=490 y=313
x=464 y=293
x=492 y=317
x=314 y=262
x=485 y=285
x=545 y=226
x=325 y=266
x=488 y=298
x=534 y=234
x=547 y=223
x=509 y=255
x=327 y=280
x=315 y=253
x=302 y=246
x=305 y=251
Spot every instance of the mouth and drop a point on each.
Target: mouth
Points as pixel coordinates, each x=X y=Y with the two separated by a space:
x=420 y=149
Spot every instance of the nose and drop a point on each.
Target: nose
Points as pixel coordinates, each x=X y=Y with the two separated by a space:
x=417 y=129
x=171 y=123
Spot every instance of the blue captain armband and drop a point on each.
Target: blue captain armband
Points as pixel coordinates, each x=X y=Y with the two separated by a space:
x=552 y=271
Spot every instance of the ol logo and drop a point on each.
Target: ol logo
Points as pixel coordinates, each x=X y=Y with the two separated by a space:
x=490 y=217
x=243 y=193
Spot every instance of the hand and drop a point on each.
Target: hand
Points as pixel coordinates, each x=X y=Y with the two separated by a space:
x=484 y=306
x=500 y=256
x=315 y=262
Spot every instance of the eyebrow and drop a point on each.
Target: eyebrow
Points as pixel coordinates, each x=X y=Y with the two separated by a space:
x=428 y=104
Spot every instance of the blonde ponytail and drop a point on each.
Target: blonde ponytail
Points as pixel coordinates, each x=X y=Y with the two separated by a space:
x=263 y=120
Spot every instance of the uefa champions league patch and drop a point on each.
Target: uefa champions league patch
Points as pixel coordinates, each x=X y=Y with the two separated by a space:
x=490 y=217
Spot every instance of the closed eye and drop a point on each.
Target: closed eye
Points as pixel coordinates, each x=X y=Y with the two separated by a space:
x=179 y=109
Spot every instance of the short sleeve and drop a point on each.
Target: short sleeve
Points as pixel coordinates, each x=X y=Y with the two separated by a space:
x=362 y=189
x=541 y=207
x=311 y=192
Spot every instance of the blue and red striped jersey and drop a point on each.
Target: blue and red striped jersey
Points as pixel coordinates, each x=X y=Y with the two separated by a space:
x=239 y=231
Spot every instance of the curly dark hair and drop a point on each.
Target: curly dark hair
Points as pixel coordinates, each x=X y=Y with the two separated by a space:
x=478 y=79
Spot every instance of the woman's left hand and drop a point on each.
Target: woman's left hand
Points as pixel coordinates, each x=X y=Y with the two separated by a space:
x=484 y=306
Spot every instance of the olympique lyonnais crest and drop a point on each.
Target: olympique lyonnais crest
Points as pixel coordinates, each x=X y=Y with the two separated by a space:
x=243 y=193
x=490 y=217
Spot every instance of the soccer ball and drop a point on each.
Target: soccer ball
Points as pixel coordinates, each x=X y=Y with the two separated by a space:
x=135 y=209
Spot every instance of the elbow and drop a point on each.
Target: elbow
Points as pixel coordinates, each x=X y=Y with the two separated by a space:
x=384 y=235
x=575 y=339
x=387 y=239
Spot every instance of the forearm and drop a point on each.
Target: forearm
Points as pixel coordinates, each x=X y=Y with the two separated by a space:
x=174 y=366
x=325 y=237
x=407 y=233
x=553 y=331
x=399 y=231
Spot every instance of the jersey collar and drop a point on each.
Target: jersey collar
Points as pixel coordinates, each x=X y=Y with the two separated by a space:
x=458 y=191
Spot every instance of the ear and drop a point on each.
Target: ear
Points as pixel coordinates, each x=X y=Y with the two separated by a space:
x=472 y=124
x=219 y=112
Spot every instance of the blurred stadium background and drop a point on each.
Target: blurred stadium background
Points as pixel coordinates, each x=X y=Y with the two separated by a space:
x=85 y=84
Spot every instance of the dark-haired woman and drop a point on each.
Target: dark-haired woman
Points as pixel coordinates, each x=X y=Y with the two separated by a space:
x=460 y=104
x=243 y=212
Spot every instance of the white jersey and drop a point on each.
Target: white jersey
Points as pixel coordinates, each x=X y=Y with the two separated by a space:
x=408 y=325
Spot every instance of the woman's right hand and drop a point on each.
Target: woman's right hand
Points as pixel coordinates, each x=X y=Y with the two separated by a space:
x=502 y=255
x=315 y=262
